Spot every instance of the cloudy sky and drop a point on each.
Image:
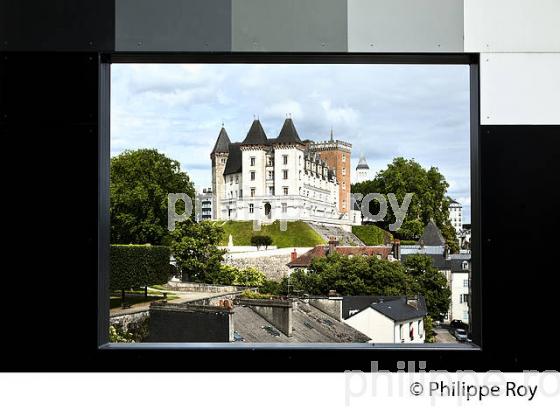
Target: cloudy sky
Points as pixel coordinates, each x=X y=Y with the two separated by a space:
x=384 y=111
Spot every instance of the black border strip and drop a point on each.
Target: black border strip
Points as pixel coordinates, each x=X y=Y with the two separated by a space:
x=284 y=58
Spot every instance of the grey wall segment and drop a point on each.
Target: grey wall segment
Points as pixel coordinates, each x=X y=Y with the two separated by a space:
x=290 y=25
x=173 y=25
x=405 y=26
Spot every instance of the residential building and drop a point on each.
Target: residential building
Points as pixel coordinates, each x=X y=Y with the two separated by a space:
x=456 y=267
x=386 y=319
x=456 y=215
x=303 y=261
x=204 y=205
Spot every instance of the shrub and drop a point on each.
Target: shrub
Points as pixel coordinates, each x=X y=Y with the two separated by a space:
x=224 y=276
x=249 y=277
x=261 y=240
x=134 y=266
x=230 y=275
x=270 y=286
x=248 y=294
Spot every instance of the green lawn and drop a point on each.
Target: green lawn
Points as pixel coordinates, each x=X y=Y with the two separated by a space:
x=371 y=235
x=298 y=234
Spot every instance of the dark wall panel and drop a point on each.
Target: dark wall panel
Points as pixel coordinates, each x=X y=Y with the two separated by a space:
x=173 y=25
x=520 y=178
x=57 y=25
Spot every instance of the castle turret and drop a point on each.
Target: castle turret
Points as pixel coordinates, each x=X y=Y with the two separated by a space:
x=362 y=170
x=219 y=157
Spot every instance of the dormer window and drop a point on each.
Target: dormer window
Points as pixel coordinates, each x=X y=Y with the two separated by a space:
x=465 y=265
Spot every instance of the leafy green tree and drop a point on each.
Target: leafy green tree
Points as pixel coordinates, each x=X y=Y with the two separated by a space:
x=429 y=282
x=367 y=275
x=140 y=182
x=428 y=202
x=230 y=275
x=358 y=275
x=195 y=247
x=261 y=240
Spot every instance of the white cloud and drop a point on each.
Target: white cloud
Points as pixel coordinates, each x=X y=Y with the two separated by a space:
x=419 y=112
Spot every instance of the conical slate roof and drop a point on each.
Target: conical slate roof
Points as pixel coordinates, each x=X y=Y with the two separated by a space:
x=432 y=235
x=256 y=135
x=222 y=143
x=363 y=163
x=288 y=133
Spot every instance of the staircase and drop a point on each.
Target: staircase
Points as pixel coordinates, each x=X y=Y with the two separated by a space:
x=344 y=238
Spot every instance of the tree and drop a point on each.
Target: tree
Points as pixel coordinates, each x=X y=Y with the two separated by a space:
x=428 y=202
x=231 y=275
x=358 y=275
x=195 y=247
x=429 y=282
x=140 y=183
x=368 y=275
x=261 y=240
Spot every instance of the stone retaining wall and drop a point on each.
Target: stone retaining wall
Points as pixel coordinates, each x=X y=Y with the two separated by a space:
x=274 y=267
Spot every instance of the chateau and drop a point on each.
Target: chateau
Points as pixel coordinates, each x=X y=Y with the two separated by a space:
x=286 y=177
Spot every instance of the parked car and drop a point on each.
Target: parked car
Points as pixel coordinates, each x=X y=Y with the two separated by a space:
x=459 y=324
x=461 y=335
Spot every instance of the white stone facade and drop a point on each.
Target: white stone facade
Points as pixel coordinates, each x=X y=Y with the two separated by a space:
x=456 y=216
x=274 y=179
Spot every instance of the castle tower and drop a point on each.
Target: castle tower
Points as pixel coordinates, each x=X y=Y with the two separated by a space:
x=219 y=157
x=336 y=154
x=362 y=170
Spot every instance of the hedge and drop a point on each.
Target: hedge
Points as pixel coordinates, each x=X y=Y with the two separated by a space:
x=134 y=266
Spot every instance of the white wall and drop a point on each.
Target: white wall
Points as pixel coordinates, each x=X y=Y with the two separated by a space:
x=458 y=308
x=519 y=42
x=374 y=325
x=381 y=329
x=512 y=25
x=520 y=88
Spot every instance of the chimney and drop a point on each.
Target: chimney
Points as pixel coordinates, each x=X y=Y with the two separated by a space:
x=446 y=252
x=397 y=249
x=276 y=312
x=293 y=255
x=332 y=244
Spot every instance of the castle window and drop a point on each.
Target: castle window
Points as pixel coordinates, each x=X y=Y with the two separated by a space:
x=270 y=161
x=252 y=161
x=285 y=159
x=251 y=208
x=271 y=190
x=230 y=180
x=252 y=175
x=285 y=190
x=223 y=160
x=343 y=157
x=237 y=180
x=270 y=174
x=300 y=174
x=344 y=185
x=252 y=192
x=284 y=207
x=343 y=171
x=285 y=172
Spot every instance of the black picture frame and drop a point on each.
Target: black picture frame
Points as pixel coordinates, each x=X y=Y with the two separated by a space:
x=472 y=60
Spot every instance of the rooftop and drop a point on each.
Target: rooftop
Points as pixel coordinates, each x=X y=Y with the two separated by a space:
x=320 y=251
x=310 y=325
x=396 y=308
